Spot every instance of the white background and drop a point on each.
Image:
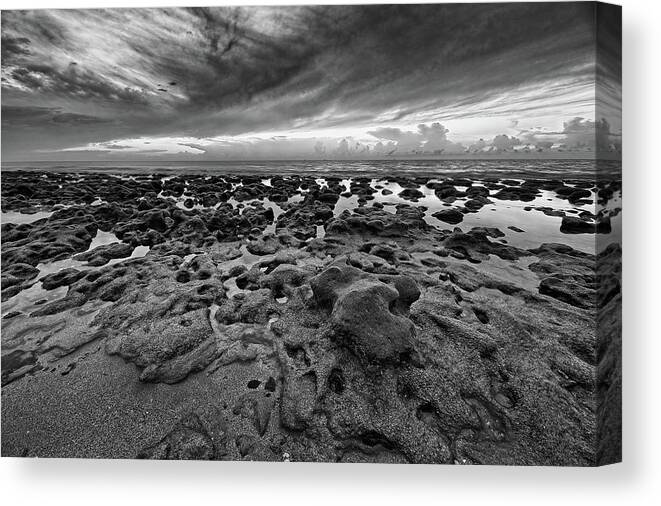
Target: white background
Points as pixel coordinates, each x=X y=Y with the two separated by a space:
x=636 y=482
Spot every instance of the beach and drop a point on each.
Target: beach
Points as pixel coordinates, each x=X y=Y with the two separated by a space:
x=355 y=314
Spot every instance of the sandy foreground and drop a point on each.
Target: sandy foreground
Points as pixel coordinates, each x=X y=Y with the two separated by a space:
x=397 y=319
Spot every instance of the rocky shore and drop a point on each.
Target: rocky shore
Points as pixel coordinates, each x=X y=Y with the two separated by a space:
x=302 y=318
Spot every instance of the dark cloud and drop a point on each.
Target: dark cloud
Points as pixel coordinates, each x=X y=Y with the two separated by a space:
x=73 y=82
x=32 y=129
x=444 y=54
x=13 y=48
x=13 y=116
x=204 y=72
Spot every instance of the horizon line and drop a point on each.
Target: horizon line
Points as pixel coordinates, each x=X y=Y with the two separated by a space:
x=266 y=160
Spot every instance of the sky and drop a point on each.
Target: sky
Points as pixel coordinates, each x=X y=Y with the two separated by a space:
x=311 y=82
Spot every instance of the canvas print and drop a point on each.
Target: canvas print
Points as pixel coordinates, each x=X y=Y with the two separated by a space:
x=349 y=233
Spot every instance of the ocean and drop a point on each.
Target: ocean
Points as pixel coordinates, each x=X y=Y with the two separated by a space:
x=497 y=169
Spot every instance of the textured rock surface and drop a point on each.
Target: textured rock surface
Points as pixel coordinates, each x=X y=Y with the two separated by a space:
x=366 y=314
x=305 y=331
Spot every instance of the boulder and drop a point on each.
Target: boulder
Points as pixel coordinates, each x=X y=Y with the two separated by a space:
x=368 y=315
x=64 y=277
x=411 y=194
x=568 y=291
x=574 y=225
x=264 y=246
x=284 y=279
x=169 y=348
x=451 y=216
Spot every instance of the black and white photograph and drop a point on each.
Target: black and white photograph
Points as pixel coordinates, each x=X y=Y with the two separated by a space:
x=313 y=233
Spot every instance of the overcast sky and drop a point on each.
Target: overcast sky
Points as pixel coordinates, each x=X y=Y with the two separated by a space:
x=307 y=82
